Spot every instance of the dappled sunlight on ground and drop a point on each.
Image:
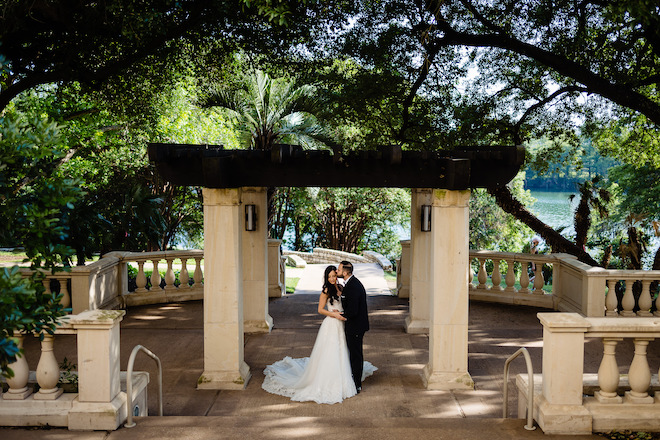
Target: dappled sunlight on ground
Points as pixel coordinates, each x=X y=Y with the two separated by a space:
x=149 y=317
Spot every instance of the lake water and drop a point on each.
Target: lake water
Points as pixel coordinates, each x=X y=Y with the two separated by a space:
x=554 y=208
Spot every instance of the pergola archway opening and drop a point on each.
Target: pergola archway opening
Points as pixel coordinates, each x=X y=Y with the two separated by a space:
x=236 y=247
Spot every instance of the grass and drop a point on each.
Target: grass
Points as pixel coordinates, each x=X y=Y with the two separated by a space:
x=291 y=284
x=390 y=275
x=12 y=256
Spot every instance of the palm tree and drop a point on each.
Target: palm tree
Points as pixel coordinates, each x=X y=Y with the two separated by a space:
x=592 y=196
x=271 y=111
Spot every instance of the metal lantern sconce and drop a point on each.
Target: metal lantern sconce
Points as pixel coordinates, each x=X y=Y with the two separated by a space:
x=250 y=217
x=426 y=218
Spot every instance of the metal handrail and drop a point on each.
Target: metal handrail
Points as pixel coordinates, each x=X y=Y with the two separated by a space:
x=530 y=388
x=129 y=384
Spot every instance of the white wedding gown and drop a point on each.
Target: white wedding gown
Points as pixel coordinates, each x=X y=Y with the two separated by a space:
x=324 y=376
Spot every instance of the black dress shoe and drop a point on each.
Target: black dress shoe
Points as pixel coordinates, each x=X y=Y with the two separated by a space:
x=359 y=389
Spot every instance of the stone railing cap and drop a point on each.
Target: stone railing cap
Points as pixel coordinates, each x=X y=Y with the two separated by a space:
x=97 y=317
x=624 y=325
x=559 y=321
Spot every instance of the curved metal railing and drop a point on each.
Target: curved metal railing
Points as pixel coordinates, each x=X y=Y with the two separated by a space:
x=530 y=387
x=129 y=384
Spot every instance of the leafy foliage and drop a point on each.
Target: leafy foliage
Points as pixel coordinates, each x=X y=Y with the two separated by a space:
x=351 y=219
x=271 y=111
x=33 y=205
x=491 y=228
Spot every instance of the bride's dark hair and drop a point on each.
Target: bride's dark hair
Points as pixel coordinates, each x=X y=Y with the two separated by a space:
x=329 y=288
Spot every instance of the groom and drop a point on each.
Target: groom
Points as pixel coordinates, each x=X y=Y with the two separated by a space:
x=357 y=321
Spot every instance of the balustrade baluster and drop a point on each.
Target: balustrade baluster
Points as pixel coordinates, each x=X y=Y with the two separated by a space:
x=510 y=277
x=46 y=283
x=48 y=371
x=169 y=275
x=497 y=276
x=482 y=276
x=611 y=300
x=639 y=375
x=645 y=301
x=183 y=275
x=155 y=275
x=608 y=373
x=539 y=281
x=628 y=302
x=197 y=276
x=524 y=278
x=18 y=389
x=141 y=278
x=64 y=290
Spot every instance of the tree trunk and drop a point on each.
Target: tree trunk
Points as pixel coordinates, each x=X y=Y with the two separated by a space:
x=509 y=204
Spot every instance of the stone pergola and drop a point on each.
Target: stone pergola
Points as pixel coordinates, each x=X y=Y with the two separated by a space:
x=235 y=260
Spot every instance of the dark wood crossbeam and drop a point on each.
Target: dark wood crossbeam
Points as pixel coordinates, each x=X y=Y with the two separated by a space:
x=212 y=166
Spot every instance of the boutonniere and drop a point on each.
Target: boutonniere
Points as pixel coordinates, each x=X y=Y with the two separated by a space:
x=341 y=297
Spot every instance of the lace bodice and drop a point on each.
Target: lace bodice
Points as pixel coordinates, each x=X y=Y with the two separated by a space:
x=336 y=305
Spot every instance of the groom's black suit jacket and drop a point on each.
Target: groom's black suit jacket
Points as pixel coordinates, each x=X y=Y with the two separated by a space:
x=355 y=307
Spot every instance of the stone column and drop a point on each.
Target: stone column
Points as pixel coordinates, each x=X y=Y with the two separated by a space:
x=276 y=281
x=100 y=404
x=255 y=264
x=224 y=365
x=560 y=405
x=448 y=334
x=403 y=271
x=417 y=320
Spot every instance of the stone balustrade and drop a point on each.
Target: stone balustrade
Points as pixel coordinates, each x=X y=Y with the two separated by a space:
x=158 y=288
x=97 y=403
x=569 y=402
x=92 y=286
x=513 y=278
x=329 y=256
x=634 y=293
x=105 y=284
x=520 y=278
x=59 y=283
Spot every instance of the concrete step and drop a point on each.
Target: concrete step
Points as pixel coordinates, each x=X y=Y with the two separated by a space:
x=394 y=428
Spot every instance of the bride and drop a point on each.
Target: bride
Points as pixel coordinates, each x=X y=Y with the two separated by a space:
x=324 y=376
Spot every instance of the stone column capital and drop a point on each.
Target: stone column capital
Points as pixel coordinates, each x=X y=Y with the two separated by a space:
x=221 y=196
x=254 y=189
x=444 y=198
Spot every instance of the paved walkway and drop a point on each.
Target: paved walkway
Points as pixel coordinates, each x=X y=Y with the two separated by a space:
x=393 y=405
x=371 y=275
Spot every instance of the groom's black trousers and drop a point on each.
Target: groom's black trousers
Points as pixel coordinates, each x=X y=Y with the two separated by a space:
x=354 y=343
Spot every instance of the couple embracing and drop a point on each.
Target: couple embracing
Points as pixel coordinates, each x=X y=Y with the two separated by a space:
x=336 y=368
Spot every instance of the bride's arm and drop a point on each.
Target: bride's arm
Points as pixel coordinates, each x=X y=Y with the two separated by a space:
x=323 y=299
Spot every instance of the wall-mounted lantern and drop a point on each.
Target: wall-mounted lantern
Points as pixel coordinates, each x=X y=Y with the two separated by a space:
x=250 y=218
x=426 y=218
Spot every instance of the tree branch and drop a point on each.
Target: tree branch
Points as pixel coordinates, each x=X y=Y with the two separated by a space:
x=619 y=93
x=558 y=242
x=541 y=103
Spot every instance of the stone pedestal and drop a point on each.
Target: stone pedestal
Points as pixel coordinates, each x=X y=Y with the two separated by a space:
x=449 y=259
x=560 y=406
x=255 y=264
x=100 y=404
x=403 y=271
x=417 y=320
x=224 y=365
